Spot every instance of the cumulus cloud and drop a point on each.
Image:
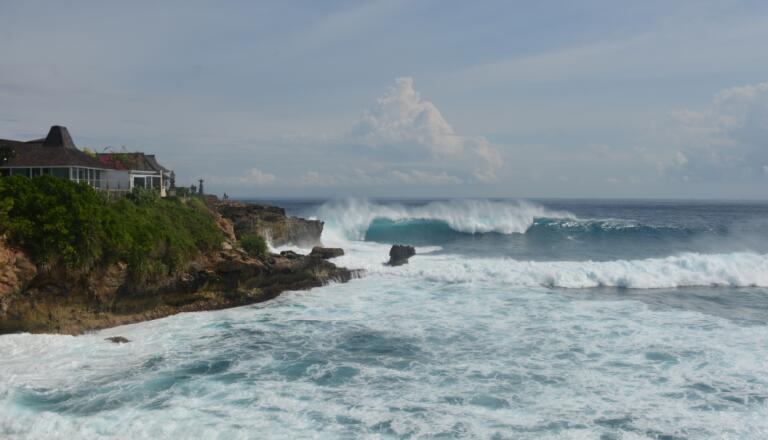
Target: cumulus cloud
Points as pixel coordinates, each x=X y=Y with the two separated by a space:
x=409 y=126
x=729 y=139
x=401 y=116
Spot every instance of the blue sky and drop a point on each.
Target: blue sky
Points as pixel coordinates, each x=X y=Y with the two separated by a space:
x=405 y=99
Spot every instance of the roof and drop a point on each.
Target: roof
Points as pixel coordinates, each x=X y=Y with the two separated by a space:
x=131 y=161
x=57 y=149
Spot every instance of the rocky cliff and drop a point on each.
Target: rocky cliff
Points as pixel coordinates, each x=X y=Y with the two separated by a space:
x=271 y=223
x=35 y=299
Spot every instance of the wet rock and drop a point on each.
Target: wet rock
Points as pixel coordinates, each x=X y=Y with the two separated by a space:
x=118 y=340
x=270 y=222
x=399 y=254
x=291 y=255
x=326 y=253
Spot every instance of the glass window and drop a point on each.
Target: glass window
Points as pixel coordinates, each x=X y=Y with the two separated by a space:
x=5 y=172
x=139 y=182
x=20 y=172
x=62 y=173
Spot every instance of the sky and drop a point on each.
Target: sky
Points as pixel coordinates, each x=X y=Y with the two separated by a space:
x=269 y=99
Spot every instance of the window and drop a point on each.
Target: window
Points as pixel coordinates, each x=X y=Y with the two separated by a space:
x=139 y=182
x=5 y=172
x=62 y=173
x=20 y=172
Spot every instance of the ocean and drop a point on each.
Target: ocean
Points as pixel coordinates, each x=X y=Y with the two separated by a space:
x=516 y=319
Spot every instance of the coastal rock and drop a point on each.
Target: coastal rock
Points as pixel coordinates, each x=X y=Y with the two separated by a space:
x=399 y=254
x=118 y=340
x=326 y=253
x=291 y=255
x=270 y=222
x=58 y=300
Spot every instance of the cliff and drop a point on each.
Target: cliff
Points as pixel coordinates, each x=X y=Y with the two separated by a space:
x=52 y=299
x=271 y=223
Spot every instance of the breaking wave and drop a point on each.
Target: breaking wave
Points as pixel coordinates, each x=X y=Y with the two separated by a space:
x=436 y=222
x=352 y=218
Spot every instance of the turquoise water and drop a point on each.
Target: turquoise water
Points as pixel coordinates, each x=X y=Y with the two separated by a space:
x=497 y=339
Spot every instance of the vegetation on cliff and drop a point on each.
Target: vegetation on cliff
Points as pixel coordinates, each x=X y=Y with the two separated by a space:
x=254 y=245
x=61 y=223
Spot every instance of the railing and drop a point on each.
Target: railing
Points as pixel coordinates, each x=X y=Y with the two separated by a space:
x=109 y=184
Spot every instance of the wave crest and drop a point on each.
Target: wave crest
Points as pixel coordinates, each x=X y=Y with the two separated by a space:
x=351 y=218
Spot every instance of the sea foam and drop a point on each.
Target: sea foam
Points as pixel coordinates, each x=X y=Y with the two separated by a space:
x=351 y=218
x=739 y=269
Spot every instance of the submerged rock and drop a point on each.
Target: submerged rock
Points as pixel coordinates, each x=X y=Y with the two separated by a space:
x=118 y=340
x=326 y=253
x=400 y=253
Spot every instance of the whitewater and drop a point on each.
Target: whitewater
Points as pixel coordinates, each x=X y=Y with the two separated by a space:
x=515 y=319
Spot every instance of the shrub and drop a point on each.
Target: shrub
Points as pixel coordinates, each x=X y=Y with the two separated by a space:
x=254 y=245
x=59 y=222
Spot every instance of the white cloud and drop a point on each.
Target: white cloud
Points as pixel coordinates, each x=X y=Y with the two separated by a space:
x=423 y=177
x=729 y=139
x=401 y=116
x=253 y=177
x=315 y=178
x=411 y=127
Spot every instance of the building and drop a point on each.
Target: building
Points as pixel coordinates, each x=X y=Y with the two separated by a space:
x=135 y=170
x=57 y=155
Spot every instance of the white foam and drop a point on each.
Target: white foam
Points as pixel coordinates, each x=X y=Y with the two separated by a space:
x=741 y=269
x=350 y=218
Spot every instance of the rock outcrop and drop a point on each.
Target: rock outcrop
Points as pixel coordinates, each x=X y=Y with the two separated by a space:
x=271 y=223
x=326 y=253
x=399 y=254
x=118 y=340
x=54 y=300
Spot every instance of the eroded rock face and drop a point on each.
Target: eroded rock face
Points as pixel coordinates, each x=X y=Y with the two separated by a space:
x=399 y=254
x=271 y=223
x=60 y=301
x=57 y=303
x=326 y=253
x=16 y=270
